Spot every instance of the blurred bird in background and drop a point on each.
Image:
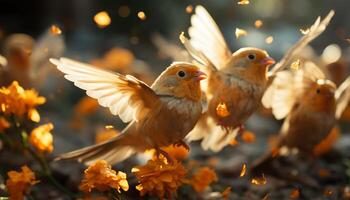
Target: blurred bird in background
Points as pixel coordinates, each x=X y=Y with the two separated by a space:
x=310 y=105
x=160 y=115
x=28 y=59
x=236 y=82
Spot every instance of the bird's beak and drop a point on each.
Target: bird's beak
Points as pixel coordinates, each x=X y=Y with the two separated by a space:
x=267 y=61
x=199 y=75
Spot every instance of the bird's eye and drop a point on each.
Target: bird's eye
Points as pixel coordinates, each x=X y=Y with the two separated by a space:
x=251 y=56
x=318 y=91
x=181 y=74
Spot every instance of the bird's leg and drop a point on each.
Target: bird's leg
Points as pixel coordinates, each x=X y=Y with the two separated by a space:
x=165 y=154
x=183 y=144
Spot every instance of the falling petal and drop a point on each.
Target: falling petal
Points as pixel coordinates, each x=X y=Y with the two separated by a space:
x=221 y=110
x=243 y=2
x=141 y=15
x=55 y=30
x=258 y=23
x=102 y=19
x=243 y=171
x=226 y=193
x=240 y=32
x=259 y=180
x=269 y=40
x=189 y=9
x=248 y=137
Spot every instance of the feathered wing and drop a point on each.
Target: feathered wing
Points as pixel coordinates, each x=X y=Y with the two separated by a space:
x=314 y=31
x=125 y=96
x=47 y=46
x=281 y=95
x=342 y=96
x=206 y=37
x=173 y=51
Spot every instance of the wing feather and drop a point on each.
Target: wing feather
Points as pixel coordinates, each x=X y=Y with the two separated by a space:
x=314 y=31
x=125 y=96
x=206 y=36
x=342 y=96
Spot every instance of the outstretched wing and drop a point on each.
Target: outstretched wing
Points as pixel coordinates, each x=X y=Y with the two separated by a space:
x=125 y=96
x=342 y=96
x=206 y=37
x=314 y=31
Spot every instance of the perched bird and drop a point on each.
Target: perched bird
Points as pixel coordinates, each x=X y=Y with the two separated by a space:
x=27 y=59
x=310 y=105
x=160 y=115
x=236 y=81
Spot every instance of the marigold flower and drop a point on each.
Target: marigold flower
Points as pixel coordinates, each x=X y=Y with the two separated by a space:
x=4 y=124
x=176 y=152
x=248 y=137
x=203 y=178
x=18 y=183
x=41 y=138
x=158 y=178
x=102 y=177
x=15 y=100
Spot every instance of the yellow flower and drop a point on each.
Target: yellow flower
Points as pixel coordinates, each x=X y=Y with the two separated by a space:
x=15 y=100
x=102 y=177
x=41 y=138
x=203 y=178
x=4 y=124
x=18 y=183
x=158 y=178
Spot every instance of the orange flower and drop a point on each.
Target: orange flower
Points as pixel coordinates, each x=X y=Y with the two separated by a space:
x=4 y=124
x=86 y=106
x=105 y=135
x=15 y=100
x=176 y=152
x=203 y=178
x=18 y=183
x=102 y=177
x=41 y=138
x=158 y=178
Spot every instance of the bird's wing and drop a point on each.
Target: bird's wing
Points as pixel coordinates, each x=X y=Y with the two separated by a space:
x=342 y=96
x=125 y=96
x=171 y=50
x=47 y=46
x=206 y=36
x=3 y=63
x=314 y=31
x=280 y=95
x=197 y=54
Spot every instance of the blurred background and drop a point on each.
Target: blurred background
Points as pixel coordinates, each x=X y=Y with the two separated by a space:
x=141 y=38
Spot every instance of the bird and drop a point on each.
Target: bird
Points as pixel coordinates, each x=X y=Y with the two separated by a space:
x=236 y=81
x=27 y=58
x=160 y=115
x=310 y=105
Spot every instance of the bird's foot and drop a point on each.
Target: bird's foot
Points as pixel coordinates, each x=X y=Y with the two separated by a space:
x=183 y=144
x=165 y=155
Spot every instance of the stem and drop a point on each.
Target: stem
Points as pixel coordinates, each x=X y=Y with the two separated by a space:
x=44 y=165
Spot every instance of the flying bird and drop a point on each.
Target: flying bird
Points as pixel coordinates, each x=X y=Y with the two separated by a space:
x=159 y=115
x=236 y=81
x=310 y=105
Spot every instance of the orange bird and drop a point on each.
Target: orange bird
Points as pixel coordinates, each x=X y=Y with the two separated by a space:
x=236 y=81
x=310 y=105
x=160 y=115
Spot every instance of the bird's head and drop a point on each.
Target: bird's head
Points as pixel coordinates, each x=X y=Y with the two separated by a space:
x=319 y=95
x=250 y=63
x=181 y=80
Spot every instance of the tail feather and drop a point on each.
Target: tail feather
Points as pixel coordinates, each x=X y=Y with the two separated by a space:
x=112 y=151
